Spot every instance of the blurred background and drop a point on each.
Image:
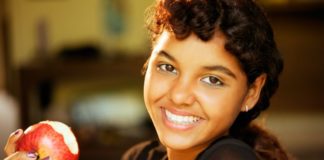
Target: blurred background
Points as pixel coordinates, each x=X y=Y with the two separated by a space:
x=79 y=62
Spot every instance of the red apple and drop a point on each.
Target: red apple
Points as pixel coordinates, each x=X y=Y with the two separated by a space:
x=49 y=139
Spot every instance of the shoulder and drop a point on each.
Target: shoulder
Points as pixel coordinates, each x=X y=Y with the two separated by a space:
x=228 y=148
x=145 y=150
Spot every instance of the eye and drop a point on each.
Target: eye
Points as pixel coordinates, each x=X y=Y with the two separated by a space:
x=167 y=68
x=212 y=80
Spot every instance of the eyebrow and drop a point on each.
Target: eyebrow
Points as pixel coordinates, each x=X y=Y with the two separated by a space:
x=166 y=55
x=221 y=69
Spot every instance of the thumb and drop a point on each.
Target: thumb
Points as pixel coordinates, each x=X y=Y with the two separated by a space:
x=22 y=156
x=10 y=147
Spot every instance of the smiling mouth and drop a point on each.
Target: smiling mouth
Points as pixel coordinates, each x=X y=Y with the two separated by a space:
x=181 y=120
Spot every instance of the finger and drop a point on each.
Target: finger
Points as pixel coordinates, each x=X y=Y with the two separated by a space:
x=46 y=158
x=10 y=147
x=22 y=156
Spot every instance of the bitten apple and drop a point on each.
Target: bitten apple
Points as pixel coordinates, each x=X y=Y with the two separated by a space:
x=50 y=139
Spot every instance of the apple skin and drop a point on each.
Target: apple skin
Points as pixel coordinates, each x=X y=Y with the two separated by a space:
x=46 y=141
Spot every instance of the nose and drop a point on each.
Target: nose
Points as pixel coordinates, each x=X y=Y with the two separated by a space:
x=181 y=92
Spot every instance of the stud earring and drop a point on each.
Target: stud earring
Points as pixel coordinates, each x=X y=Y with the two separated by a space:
x=246 y=108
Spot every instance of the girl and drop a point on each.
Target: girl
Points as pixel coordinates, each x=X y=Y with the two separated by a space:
x=212 y=71
x=213 y=68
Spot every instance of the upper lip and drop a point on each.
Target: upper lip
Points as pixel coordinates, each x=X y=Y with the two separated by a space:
x=180 y=112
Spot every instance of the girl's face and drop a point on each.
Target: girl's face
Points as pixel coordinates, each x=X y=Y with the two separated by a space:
x=193 y=91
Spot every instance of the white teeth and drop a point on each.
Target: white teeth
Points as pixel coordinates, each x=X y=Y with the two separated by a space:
x=181 y=119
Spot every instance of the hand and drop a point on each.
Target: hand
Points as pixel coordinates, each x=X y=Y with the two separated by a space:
x=22 y=156
x=10 y=148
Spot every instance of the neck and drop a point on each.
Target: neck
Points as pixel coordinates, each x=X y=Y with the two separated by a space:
x=189 y=154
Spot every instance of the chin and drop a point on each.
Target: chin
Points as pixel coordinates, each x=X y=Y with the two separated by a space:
x=177 y=142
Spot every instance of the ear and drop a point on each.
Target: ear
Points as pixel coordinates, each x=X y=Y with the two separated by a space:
x=253 y=93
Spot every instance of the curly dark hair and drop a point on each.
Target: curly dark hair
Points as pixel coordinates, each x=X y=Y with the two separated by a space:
x=249 y=37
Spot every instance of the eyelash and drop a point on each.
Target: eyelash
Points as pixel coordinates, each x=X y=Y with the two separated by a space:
x=207 y=80
x=164 y=68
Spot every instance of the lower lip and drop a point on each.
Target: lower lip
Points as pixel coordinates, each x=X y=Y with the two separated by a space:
x=174 y=126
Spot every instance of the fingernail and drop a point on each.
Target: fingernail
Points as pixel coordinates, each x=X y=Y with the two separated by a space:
x=31 y=155
x=17 y=132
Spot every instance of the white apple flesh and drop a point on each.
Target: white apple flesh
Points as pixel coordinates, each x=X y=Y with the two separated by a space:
x=50 y=139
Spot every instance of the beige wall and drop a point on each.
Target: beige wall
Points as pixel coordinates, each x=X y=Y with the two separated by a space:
x=71 y=22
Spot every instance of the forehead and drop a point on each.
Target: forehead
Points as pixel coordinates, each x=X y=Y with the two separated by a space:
x=167 y=39
x=193 y=47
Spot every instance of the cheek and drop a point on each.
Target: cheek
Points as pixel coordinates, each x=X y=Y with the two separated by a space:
x=155 y=87
x=225 y=103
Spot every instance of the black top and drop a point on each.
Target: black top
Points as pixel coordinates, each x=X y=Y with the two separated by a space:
x=225 y=148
